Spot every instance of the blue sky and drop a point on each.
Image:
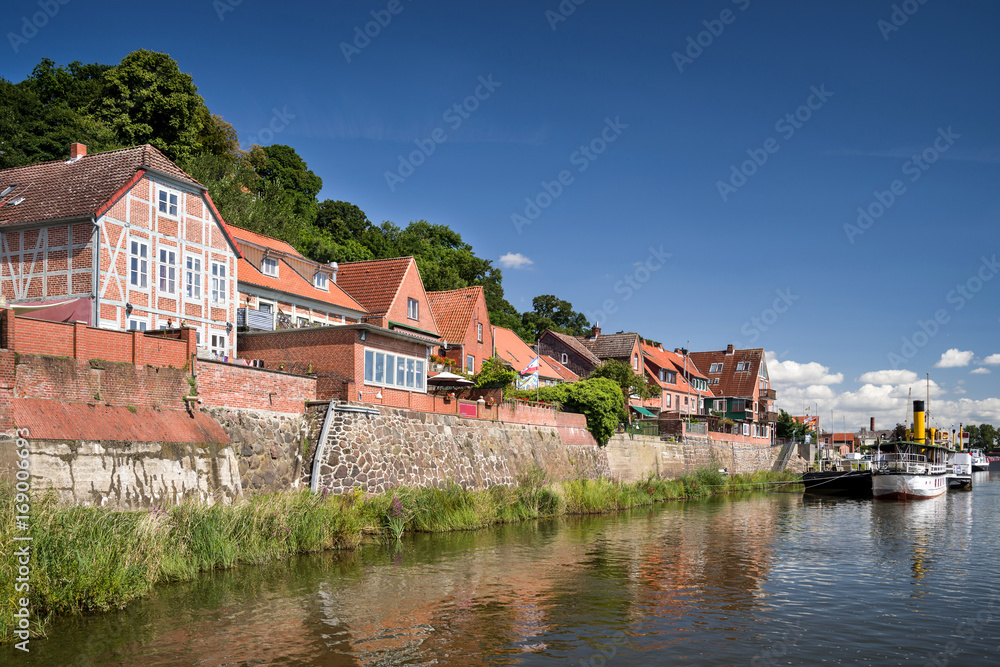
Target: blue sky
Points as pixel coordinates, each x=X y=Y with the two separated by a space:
x=698 y=169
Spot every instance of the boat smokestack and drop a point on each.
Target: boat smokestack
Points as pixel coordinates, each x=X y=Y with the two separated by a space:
x=919 y=434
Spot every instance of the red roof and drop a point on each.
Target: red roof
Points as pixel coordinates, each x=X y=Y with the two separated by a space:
x=731 y=381
x=567 y=374
x=574 y=343
x=373 y=283
x=247 y=236
x=516 y=352
x=88 y=186
x=453 y=310
x=656 y=358
x=290 y=282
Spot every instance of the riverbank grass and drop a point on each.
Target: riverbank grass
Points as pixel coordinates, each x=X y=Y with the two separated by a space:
x=90 y=558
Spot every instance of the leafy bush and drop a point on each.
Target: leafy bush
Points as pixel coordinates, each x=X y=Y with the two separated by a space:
x=494 y=373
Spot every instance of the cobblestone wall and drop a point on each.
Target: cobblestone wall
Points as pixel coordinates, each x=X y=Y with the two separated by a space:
x=269 y=447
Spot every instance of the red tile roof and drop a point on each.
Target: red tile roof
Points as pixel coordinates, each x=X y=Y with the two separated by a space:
x=373 y=283
x=62 y=189
x=574 y=343
x=453 y=310
x=290 y=282
x=516 y=352
x=567 y=374
x=246 y=235
x=738 y=384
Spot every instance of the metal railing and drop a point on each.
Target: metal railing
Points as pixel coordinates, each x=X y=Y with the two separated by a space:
x=913 y=464
x=640 y=428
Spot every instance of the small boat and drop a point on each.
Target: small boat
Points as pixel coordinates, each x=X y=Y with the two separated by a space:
x=850 y=478
x=979 y=460
x=910 y=469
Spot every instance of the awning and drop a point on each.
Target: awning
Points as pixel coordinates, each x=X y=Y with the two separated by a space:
x=642 y=411
x=63 y=310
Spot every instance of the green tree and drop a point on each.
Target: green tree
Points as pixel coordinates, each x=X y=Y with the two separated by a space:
x=986 y=437
x=146 y=99
x=602 y=402
x=551 y=312
x=494 y=373
x=621 y=373
x=343 y=220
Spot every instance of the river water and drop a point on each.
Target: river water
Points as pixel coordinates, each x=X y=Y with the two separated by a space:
x=764 y=579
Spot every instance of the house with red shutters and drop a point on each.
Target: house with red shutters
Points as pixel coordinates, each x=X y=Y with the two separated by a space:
x=279 y=288
x=393 y=294
x=463 y=321
x=741 y=389
x=122 y=239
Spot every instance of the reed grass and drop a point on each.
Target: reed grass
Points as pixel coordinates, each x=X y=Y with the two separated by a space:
x=94 y=559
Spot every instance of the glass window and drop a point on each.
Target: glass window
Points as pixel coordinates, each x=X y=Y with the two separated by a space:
x=139 y=268
x=168 y=202
x=420 y=375
x=479 y=332
x=192 y=277
x=413 y=309
x=400 y=371
x=470 y=363
x=715 y=368
x=379 y=368
x=564 y=358
x=168 y=272
x=390 y=365
x=320 y=280
x=410 y=380
x=219 y=287
x=369 y=366
x=137 y=325
x=269 y=266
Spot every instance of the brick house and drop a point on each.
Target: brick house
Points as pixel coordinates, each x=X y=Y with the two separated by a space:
x=741 y=388
x=279 y=288
x=122 y=240
x=568 y=351
x=683 y=388
x=393 y=294
x=515 y=352
x=464 y=323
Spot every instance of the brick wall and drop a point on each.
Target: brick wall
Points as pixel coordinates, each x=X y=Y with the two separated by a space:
x=226 y=385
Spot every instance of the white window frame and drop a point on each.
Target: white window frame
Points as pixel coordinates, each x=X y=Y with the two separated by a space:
x=742 y=366
x=719 y=405
x=266 y=263
x=138 y=266
x=412 y=308
x=669 y=399
x=321 y=281
x=137 y=324
x=168 y=267
x=164 y=202
x=214 y=337
x=470 y=363
x=220 y=285
x=564 y=359
x=479 y=332
x=715 y=368
x=408 y=373
x=190 y=273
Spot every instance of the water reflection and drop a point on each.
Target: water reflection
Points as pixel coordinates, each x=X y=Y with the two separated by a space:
x=712 y=582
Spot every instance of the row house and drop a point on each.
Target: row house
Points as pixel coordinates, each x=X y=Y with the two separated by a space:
x=464 y=324
x=741 y=388
x=514 y=352
x=568 y=351
x=121 y=239
x=683 y=388
x=393 y=294
x=279 y=288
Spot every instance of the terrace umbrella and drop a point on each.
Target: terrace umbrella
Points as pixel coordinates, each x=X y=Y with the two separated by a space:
x=447 y=379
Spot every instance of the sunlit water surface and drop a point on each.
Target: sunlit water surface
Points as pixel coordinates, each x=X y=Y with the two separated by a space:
x=765 y=579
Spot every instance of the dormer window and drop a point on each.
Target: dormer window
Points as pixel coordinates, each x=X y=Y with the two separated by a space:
x=715 y=368
x=167 y=202
x=742 y=366
x=321 y=280
x=269 y=267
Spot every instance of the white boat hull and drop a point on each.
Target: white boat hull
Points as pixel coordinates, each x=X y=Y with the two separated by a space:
x=904 y=486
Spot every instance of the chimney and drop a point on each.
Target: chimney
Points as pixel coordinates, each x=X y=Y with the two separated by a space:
x=730 y=349
x=872 y=429
x=595 y=331
x=77 y=151
x=333 y=272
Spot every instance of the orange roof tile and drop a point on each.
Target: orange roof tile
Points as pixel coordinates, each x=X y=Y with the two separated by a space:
x=452 y=311
x=516 y=352
x=246 y=235
x=567 y=374
x=290 y=282
x=373 y=283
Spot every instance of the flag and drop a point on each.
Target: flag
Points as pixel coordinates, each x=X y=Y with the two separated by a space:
x=529 y=376
x=532 y=366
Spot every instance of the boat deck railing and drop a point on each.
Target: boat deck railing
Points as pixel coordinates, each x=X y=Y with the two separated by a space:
x=913 y=464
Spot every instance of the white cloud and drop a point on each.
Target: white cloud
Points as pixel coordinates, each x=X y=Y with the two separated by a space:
x=992 y=360
x=515 y=260
x=954 y=358
x=793 y=373
x=959 y=391
x=888 y=377
x=980 y=371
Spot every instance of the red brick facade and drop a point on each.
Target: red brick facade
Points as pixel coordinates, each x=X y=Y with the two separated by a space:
x=231 y=386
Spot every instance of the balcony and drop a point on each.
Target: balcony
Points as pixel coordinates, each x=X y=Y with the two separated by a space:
x=770 y=416
x=254 y=319
x=768 y=394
